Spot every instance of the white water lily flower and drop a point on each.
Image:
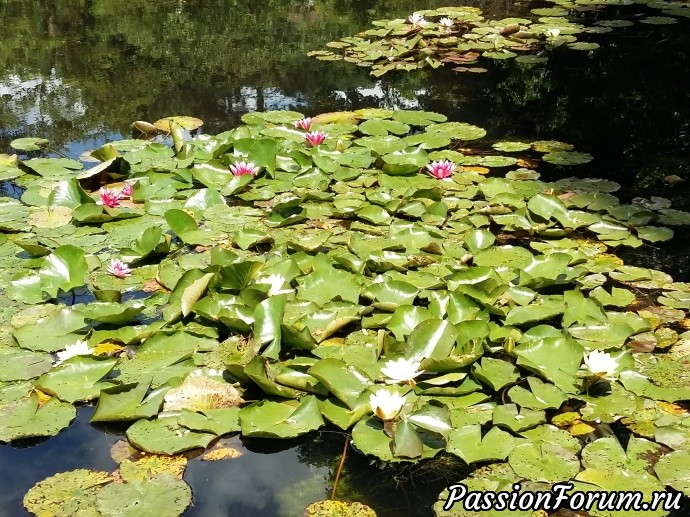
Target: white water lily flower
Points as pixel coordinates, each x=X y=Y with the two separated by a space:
x=552 y=33
x=401 y=370
x=602 y=365
x=386 y=405
x=416 y=19
x=276 y=282
x=446 y=23
x=81 y=347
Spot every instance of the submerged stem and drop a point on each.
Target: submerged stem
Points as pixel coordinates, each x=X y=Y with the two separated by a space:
x=340 y=467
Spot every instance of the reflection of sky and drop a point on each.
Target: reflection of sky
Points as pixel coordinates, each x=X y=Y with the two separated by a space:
x=255 y=485
x=80 y=446
x=266 y=485
x=25 y=98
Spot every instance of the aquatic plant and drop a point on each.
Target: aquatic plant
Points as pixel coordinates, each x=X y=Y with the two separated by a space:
x=488 y=299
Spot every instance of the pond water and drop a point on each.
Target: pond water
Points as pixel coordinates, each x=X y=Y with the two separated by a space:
x=78 y=72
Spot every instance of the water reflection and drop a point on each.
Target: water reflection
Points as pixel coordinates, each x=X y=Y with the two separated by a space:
x=27 y=462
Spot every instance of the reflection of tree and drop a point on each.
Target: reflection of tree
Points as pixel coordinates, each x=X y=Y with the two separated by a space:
x=143 y=59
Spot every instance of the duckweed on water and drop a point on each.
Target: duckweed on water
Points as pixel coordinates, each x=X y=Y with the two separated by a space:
x=340 y=284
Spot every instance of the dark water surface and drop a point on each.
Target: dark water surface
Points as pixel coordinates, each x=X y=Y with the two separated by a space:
x=78 y=72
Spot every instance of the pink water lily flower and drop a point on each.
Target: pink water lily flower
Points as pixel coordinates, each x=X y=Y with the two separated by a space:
x=126 y=190
x=242 y=168
x=119 y=269
x=304 y=123
x=315 y=138
x=109 y=197
x=441 y=169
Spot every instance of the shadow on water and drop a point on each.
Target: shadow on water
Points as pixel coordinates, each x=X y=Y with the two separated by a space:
x=77 y=72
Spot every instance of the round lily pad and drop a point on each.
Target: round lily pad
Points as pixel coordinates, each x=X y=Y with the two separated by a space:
x=67 y=493
x=159 y=496
x=567 y=158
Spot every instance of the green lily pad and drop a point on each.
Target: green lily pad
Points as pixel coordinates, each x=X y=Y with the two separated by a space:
x=161 y=495
x=281 y=419
x=24 y=418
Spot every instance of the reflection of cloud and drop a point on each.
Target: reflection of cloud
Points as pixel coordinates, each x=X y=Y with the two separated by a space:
x=387 y=100
x=79 y=446
x=41 y=99
x=251 y=485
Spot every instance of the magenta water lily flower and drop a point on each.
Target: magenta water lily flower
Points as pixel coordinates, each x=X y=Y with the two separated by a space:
x=315 y=138
x=109 y=197
x=441 y=169
x=303 y=123
x=119 y=269
x=242 y=168
x=127 y=190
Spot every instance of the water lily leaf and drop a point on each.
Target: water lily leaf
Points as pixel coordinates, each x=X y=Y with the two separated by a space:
x=142 y=468
x=24 y=418
x=467 y=443
x=544 y=462
x=511 y=147
x=203 y=199
x=508 y=256
x=369 y=437
x=507 y=415
x=128 y=402
x=29 y=144
x=479 y=239
x=62 y=270
x=379 y=127
x=673 y=469
x=185 y=228
x=50 y=217
x=567 y=158
x=54 y=167
x=457 y=130
x=658 y=20
x=326 y=284
x=148 y=243
x=640 y=385
x=51 y=333
x=17 y=364
x=281 y=419
x=161 y=495
x=166 y=124
x=391 y=295
x=346 y=381
x=495 y=372
x=432 y=418
x=165 y=436
x=405 y=319
x=66 y=493
x=541 y=395
x=431 y=339
x=340 y=508
x=418 y=118
x=341 y=415
x=549 y=207
x=543 y=308
x=554 y=357
x=77 y=378
x=216 y=421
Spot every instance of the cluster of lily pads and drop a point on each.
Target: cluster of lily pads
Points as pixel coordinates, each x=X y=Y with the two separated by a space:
x=460 y=36
x=376 y=271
